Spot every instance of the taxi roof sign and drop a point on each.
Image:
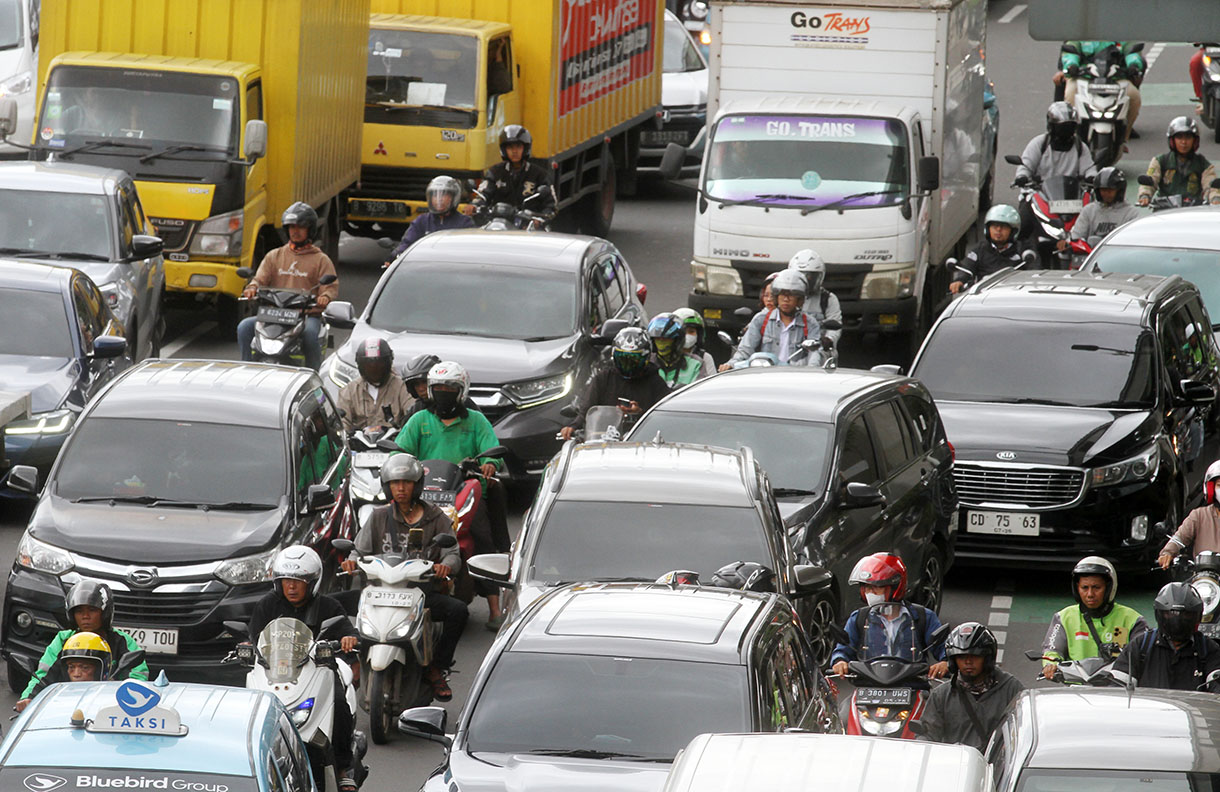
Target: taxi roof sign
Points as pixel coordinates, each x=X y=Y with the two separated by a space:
x=136 y=712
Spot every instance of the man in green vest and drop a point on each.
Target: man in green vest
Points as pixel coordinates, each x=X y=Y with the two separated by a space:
x=1096 y=626
x=1182 y=170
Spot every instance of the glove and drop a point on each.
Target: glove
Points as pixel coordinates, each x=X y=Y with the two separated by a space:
x=827 y=343
x=1072 y=71
x=1021 y=181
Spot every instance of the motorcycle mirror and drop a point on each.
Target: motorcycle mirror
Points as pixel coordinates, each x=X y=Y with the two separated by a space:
x=725 y=338
x=1033 y=654
x=127 y=663
x=611 y=327
x=328 y=279
x=386 y=243
x=568 y=411
x=1145 y=180
x=916 y=727
x=241 y=629
x=1137 y=47
x=444 y=540
x=810 y=343
x=939 y=635
x=245 y=272
x=342 y=545
x=744 y=312
x=387 y=443
x=839 y=633
x=1012 y=159
x=329 y=625
x=495 y=452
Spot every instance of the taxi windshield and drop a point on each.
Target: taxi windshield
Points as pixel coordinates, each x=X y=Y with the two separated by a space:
x=889 y=632
x=284 y=646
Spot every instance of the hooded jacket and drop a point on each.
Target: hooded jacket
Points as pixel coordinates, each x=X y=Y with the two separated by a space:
x=286 y=268
x=387 y=532
x=946 y=718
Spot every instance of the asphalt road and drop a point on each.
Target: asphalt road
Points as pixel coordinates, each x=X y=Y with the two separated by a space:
x=654 y=233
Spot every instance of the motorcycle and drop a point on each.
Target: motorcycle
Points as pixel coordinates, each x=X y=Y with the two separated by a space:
x=1086 y=671
x=821 y=352
x=370 y=447
x=299 y=670
x=1102 y=104
x=1203 y=574
x=604 y=423
x=886 y=700
x=1056 y=202
x=1210 y=94
x=1162 y=202
x=281 y=321
x=506 y=217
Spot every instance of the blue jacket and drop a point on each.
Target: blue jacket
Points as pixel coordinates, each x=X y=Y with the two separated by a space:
x=427 y=223
x=763 y=333
x=876 y=636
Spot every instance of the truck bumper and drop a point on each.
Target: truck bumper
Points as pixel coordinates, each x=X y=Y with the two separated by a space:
x=383 y=210
x=217 y=277
x=890 y=317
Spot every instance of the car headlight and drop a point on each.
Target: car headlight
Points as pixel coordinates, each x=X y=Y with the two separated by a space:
x=1137 y=468
x=219 y=235
x=300 y=715
x=17 y=84
x=341 y=373
x=42 y=557
x=878 y=727
x=247 y=569
x=55 y=422
x=889 y=284
x=540 y=391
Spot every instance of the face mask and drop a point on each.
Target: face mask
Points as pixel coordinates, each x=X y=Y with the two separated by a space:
x=873 y=598
x=446 y=403
x=689 y=343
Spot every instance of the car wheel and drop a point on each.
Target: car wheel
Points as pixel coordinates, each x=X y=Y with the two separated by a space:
x=817 y=627
x=17 y=679
x=932 y=582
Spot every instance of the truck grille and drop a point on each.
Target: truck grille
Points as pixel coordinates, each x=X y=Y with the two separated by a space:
x=163 y=610
x=845 y=280
x=175 y=234
x=404 y=184
x=1028 y=487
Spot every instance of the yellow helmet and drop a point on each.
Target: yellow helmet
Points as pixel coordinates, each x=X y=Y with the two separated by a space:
x=88 y=646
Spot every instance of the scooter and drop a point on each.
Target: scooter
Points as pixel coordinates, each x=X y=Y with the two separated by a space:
x=1056 y=202
x=370 y=448
x=1102 y=104
x=1203 y=574
x=300 y=671
x=1160 y=202
x=821 y=352
x=506 y=217
x=1086 y=671
x=1211 y=87
x=281 y=321
x=603 y=424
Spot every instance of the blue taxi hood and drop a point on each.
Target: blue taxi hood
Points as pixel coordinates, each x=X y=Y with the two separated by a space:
x=490 y=772
x=47 y=379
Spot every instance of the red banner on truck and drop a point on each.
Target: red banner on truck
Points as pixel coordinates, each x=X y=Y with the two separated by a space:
x=606 y=44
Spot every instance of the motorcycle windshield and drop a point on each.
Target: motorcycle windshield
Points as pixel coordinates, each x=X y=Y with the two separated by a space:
x=284 y=646
x=889 y=632
x=602 y=423
x=1061 y=188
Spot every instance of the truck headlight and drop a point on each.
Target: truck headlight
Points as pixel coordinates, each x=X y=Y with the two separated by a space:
x=219 y=235
x=696 y=9
x=55 y=422
x=717 y=279
x=18 y=84
x=889 y=285
x=1138 y=468
x=540 y=391
x=247 y=569
x=42 y=557
x=341 y=373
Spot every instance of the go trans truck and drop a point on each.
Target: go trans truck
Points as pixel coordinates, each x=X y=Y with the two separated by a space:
x=224 y=113
x=853 y=128
x=445 y=78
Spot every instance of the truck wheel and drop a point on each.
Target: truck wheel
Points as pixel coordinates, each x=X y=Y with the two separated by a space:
x=328 y=238
x=597 y=209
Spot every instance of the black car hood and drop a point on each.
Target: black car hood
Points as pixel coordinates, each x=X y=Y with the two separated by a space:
x=1043 y=434
x=153 y=535
x=48 y=380
x=487 y=772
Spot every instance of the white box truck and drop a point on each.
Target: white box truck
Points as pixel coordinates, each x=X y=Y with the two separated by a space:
x=853 y=128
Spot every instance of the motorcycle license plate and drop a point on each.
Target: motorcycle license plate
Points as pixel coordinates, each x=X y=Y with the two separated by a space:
x=270 y=313
x=368 y=459
x=153 y=640
x=1066 y=207
x=1003 y=523
x=391 y=598
x=432 y=496
x=884 y=697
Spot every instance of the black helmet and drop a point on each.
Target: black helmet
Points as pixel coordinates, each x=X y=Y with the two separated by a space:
x=301 y=214
x=1179 y=609
x=1182 y=125
x=1110 y=179
x=972 y=638
x=1096 y=565
x=1061 y=120
x=94 y=594
x=515 y=133
x=417 y=370
x=374 y=360
x=745 y=576
x=632 y=349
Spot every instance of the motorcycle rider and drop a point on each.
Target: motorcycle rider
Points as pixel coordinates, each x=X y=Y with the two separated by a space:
x=692 y=325
x=378 y=397
x=443 y=194
x=967 y=709
x=515 y=178
x=90 y=607
x=1200 y=531
x=297 y=265
x=296 y=574
x=781 y=330
x=1107 y=212
x=1182 y=170
x=1121 y=52
x=882 y=578
x=389 y=530
x=1096 y=626
x=820 y=303
x=1056 y=152
x=86 y=658
x=1001 y=248
x=1175 y=655
x=676 y=366
x=448 y=430
x=633 y=375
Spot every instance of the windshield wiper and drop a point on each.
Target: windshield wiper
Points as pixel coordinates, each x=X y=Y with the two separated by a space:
x=764 y=196
x=93 y=144
x=46 y=254
x=181 y=147
x=845 y=199
x=782 y=492
x=592 y=753
x=153 y=500
x=236 y=506
x=1031 y=400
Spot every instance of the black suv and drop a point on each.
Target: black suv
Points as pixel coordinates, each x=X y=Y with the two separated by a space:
x=178 y=485
x=858 y=461
x=1080 y=406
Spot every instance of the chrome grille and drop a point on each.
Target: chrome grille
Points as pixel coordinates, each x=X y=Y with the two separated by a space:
x=1022 y=486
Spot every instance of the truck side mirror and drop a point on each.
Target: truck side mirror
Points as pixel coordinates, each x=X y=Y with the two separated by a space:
x=256 y=140
x=671 y=161
x=927 y=172
x=8 y=116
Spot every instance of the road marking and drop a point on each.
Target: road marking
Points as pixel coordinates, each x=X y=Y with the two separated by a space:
x=1001 y=604
x=997 y=619
x=1012 y=14
x=178 y=344
x=1153 y=54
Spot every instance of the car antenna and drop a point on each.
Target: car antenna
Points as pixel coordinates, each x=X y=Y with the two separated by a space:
x=658 y=440
x=162 y=680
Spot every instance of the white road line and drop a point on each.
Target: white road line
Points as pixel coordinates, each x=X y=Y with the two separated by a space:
x=999 y=655
x=1012 y=14
x=179 y=343
x=997 y=619
x=1001 y=603
x=1153 y=54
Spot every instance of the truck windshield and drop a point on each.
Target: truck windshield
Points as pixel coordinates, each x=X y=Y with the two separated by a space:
x=32 y=221
x=140 y=111
x=808 y=161
x=410 y=68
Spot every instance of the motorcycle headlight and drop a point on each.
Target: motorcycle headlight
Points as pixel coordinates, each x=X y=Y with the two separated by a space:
x=219 y=235
x=1209 y=591
x=1138 y=468
x=404 y=628
x=878 y=727
x=341 y=373
x=56 y=422
x=300 y=715
x=42 y=557
x=17 y=84
x=888 y=285
x=540 y=391
x=247 y=569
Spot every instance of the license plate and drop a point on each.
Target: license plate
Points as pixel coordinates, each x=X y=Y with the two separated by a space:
x=379 y=208
x=711 y=313
x=368 y=459
x=269 y=313
x=433 y=496
x=1066 y=207
x=153 y=640
x=884 y=697
x=1003 y=523
x=390 y=597
x=663 y=136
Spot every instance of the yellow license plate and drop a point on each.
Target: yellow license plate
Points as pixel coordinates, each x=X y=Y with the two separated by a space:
x=888 y=319
x=711 y=313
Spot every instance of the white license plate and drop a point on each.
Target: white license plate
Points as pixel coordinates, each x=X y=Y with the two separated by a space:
x=368 y=459
x=1003 y=523
x=153 y=640
x=1066 y=207
x=394 y=599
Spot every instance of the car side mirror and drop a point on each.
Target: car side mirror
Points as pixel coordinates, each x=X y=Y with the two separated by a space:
x=144 y=246
x=426 y=722
x=340 y=314
x=886 y=368
x=318 y=497
x=1194 y=392
x=671 y=160
x=108 y=346
x=927 y=170
x=23 y=478
x=856 y=495
x=1012 y=159
x=492 y=567
x=8 y=116
x=810 y=578
x=255 y=146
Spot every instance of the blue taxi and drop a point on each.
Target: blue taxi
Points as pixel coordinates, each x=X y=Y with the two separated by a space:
x=154 y=736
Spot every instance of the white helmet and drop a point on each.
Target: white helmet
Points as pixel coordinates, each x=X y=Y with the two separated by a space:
x=449 y=373
x=297 y=562
x=809 y=263
x=790 y=280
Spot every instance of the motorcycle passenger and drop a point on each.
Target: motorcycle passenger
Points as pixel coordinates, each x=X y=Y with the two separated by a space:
x=1096 y=626
x=882 y=578
x=633 y=376
x=378 y=397
x=1175 y=655
x=90 y=607
x=1200 y=531
x=766 y=298
x=87 y=658
x=820 y=303
x=1056 y=152
x=443 y=194
x=1120 y=52
x=693 y=343
x=780 y=330
x=676 y=366
x=297 y=265
x=515 y=178
x=1000 y=249
x=389 y=530
x=967 y=709
x=1182 y=170
x=1107 y=212
x=448 y=430
x=296 y=574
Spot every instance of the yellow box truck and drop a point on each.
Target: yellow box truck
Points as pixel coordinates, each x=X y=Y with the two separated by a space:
x=444 y=78
x=225 y=112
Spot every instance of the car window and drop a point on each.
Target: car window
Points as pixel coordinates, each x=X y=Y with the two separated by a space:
x=598 y=313
x=254 y=101
x=46 y=328
x=88 y=313
x=857 y=461
x=1181 y=345
x=924 y=419
x=611 y=275
x=127 y=219
x=288 y=755
x=777 y=714
x=499 y=66
x=895 y=444
x=1206 y=342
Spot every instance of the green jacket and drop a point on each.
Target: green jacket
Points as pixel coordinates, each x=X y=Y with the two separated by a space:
x=1068 y=637
x=1132 y=60
x=57 y=644
x=426 y=437
x=686 y=372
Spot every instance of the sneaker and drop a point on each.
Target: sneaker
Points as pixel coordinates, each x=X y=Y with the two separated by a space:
x=494 y=623
x=1134 y=134
x=347 y=782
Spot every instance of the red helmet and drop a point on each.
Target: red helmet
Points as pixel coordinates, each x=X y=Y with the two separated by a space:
x=1209 y=482
x=881 y=569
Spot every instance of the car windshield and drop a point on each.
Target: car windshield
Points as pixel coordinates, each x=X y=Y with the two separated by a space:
x=1083 y=364
x=591 y=540
x=808 y=161
x=1200 y=267
x=193 y=462
x=409 y=67
x=680 y=53
x=10 y=24
x=638 y=707
x=794 y=453
x=43 y=320
x=1117 y=780
x=486 y=300
x=32 y=221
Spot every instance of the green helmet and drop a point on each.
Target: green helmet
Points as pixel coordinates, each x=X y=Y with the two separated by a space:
x=1004 y=214
x=691 y=319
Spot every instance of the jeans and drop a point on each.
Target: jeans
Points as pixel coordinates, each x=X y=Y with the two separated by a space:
x=452 y=613
x=310 y=344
